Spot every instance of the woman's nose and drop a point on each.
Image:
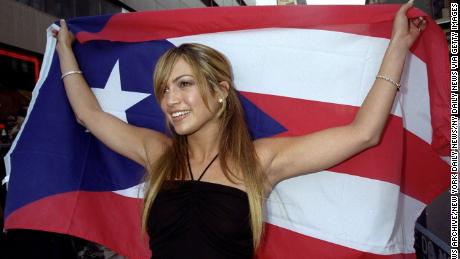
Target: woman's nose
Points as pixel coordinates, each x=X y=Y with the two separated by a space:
x=172 y=98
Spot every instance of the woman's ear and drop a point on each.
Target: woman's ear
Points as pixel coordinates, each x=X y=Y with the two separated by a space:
x=225 y=87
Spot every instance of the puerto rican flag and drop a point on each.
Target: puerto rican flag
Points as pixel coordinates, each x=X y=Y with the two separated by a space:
x=299 y=69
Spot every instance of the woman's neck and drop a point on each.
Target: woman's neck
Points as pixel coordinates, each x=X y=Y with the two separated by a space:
x=203 y=145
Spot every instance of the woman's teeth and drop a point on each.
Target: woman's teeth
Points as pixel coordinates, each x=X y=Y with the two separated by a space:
x=181 y=113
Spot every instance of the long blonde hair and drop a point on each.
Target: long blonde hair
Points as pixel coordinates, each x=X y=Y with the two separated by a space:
x=210 y=67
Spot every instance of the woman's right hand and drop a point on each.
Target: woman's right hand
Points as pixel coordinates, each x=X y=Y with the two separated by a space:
x=138 y=144
x=64 y=37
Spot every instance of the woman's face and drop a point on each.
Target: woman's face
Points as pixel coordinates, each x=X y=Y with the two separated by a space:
x=182 y=103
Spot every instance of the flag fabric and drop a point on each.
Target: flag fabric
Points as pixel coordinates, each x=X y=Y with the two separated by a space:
x=298 y=69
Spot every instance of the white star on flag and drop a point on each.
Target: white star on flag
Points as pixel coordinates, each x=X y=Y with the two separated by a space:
x=113 y=99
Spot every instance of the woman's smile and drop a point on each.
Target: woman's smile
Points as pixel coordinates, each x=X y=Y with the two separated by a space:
x=178 y=116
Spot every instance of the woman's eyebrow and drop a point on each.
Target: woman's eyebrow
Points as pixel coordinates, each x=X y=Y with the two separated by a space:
x=179 y=77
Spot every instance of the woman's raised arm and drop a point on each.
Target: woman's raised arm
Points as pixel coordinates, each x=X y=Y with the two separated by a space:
x=139 y=144
x=283 y=158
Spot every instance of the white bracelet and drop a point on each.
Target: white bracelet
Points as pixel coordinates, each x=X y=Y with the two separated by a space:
x=384 y=77
x=71 y=72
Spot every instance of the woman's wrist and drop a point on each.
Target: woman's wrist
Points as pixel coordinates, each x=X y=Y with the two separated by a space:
x=67 y=59
x=63 y=49
x=397 y=47
x=393 y=62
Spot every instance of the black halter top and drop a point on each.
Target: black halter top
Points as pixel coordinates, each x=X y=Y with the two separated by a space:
x=199 y=220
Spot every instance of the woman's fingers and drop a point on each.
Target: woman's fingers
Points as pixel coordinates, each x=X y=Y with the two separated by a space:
x=63 y=36
x=400 y=22
x=63 y=25
x=417 y=24
x=401 y=17
x=406 y=7
x=421 y=26
x=405 y=31
x=417 y=21
x=424 y=24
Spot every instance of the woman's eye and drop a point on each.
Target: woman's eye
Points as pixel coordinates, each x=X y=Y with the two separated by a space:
x=185 y=83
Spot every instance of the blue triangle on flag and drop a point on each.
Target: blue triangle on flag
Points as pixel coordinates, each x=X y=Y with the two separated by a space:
x=260 y=124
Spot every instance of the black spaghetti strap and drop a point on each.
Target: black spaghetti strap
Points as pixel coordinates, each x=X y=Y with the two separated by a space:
x=206 y=169
x=189 y=168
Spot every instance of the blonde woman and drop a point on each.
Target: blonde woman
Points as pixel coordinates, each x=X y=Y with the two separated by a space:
x=206 y=183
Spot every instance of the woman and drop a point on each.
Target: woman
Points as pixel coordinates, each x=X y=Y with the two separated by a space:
x=207 y=182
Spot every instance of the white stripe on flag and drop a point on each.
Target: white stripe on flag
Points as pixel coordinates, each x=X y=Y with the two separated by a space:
x=136 y=191
x=318 y=65
x=352 y=211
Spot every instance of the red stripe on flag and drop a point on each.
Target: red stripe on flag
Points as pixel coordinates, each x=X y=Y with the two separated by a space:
x=286 y=244
x=425 y=175
x=399 y=152
x=103 y=217
x=155 y=25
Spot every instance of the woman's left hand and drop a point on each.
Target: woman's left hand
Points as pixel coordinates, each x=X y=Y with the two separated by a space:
x=406 y=31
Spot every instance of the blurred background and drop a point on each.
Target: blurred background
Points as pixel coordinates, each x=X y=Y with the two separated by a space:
x=22 y=43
